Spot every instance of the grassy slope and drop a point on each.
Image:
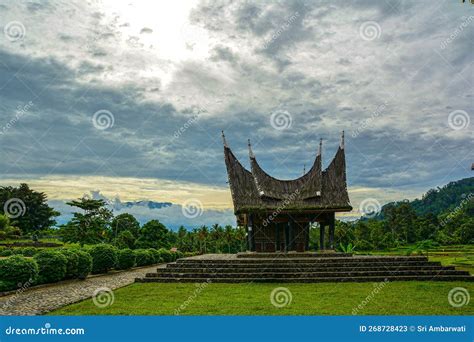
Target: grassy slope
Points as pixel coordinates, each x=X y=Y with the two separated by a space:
x=398 y=298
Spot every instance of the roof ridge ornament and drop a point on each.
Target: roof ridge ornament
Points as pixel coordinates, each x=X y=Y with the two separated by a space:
x=320 y=150
x=342 y=141
x=251 y=155
x=223 y=140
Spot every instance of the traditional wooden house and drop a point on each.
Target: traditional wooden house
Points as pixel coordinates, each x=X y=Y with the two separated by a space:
x=278 y=213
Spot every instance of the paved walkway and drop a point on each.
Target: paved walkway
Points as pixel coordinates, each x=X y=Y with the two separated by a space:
x=41 y=300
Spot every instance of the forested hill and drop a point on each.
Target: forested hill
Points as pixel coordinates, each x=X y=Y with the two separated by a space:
x=440 y=200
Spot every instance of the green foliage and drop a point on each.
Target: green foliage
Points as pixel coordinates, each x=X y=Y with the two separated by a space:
x=144 y=257
x=17 y=271
x=91 y=225
x=36 y=213
x=157 y=258
x=125 y=240
x=349 y=248
x=52 y=266
x=154 y=234
x=104 y=258
x=5 y=252
x=72 y=264
x=84 y=264
x=25 y=251
x=125 y=223
x=126 y=259
x=166 y=255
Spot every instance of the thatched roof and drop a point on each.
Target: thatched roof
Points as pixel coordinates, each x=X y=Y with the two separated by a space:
x=316 y=190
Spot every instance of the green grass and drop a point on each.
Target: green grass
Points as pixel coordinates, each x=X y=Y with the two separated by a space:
x=461 y=256
x=397 y=298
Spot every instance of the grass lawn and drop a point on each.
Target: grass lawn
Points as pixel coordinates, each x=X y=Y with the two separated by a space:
x=397 y=298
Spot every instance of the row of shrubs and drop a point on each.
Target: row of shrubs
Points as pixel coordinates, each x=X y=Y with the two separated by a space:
x=52 y=265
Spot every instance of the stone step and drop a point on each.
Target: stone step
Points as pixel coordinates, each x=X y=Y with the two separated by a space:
x=293 y=255
x=244 y=261
x=292 y=274
x=299 y=269
x=304 y=265
x=307 y=280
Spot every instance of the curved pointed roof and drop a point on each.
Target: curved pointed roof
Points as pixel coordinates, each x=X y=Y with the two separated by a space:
x=315 y=190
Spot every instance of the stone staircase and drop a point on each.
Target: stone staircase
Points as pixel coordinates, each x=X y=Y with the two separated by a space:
x=303 y=269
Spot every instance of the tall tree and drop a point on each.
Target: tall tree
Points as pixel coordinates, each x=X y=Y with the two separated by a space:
x=91 y=225
x=26 y=208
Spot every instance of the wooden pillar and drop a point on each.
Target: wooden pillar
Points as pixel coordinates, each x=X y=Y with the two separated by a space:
x=277 y=237
x=291 y=225
x=250 y=232
x=287 y=236
x=332 y=224
x=306 y=245
x=322 y=225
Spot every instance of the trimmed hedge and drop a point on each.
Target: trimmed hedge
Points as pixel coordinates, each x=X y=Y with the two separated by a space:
x=29 y=251
x=157 y=258
x=126 y=259
x=84 y=265
x=144 y=257
x=104 y=257
x=166 y=255
x=52 y=266
x=72 y=264
x=6 y=252
x=15 y=271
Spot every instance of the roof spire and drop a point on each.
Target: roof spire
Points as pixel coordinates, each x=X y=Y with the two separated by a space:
x=320 y=150
x=342 y=140
x=304 y=169
x=223 y=140
x=251 y=155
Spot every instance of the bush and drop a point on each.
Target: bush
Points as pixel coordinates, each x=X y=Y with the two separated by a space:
x=166 y=255
x=84 y=265
x=27 y=251
x=178 y=255
x=6 y=252
x=52 y=266
x=126 y=259
x=144 y=257
x=16 y=271
x=156 y=255
x=72 y=263
x=104 y=257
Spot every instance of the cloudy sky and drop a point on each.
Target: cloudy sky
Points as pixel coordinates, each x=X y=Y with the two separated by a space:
x=129 y=97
